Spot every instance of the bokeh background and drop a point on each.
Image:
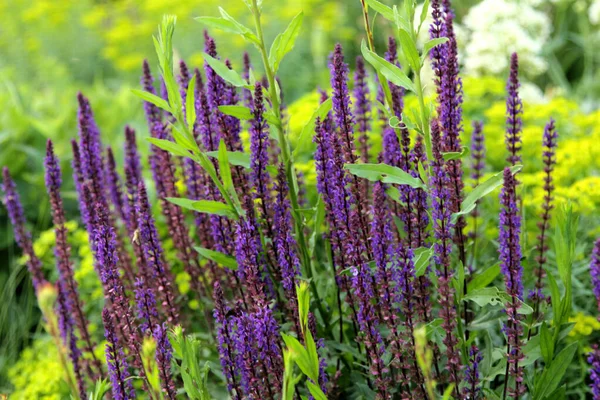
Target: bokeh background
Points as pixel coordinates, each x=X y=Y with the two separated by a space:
x=51 y=49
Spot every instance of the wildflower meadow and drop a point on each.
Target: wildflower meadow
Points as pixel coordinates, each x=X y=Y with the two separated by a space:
x=409 y=212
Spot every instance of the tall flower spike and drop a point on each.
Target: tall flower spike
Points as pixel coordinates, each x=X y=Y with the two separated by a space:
x=549 y=158
x=285 y=243
x=594 y=361
x=78 y=179
x=225 y=342
x=91 y=149
x=62 y=251
x=67 y=331
x=153 y=254
x=595 y=272
x=146 y=305
x=345 y=124
x=259 y=156
x=246 y=93
x=251 y=270
x=442 y=226
x=118 y=369
x=477 y=167
x=12 y=201
x=510 y=259
x=514 y=110
x=164 y=354
x=472 y=388
x=362 y=108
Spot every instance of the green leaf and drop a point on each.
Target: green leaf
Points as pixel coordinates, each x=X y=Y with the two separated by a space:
x=495 y=297
x=228 y=24
x=430 y=44
x=284 y=42
x=316 y=391
x=552 y=376
x=409 y=47
x=423 y=16
x=385 y=11
x=101 y=387
x=170 y=147
x=236 y=158
x=225 y=170
x=391 y=72
x=308 y=129
x=303 y=303
x=484 y=278
x=242 y=30
x=239 y=112
x=470 y=201
x=300 y=356
x=421 y=257
x=152 y=99
x=384 y=173
x=287 y=392
x=546 y=344
x=394 y=194
x=218 y=257
x=190 y=106
x=224 y=72
x=204 y=206
x=456 y=155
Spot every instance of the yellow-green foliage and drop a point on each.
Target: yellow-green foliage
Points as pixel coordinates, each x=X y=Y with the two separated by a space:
x=38 y=373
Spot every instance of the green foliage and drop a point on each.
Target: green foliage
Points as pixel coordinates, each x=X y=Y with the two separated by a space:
x=188 y=351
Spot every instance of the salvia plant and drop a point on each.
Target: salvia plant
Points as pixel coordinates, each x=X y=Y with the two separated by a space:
x=370 y=286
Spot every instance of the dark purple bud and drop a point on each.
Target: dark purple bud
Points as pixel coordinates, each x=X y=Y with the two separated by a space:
x=514 y=111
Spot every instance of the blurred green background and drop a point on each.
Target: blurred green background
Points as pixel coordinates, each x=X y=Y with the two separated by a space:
x=51 y=49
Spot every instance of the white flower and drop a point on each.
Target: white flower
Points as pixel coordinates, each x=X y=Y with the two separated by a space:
x=499 y=27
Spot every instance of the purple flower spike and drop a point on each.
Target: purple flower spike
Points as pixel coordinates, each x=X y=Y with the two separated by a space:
x=225 y=341
x=164 y=354
x=114 y=185
x=594 y=361
x=441 y=200
x=251 y=270
x=514 y=111
x=472 y=388
x=549 y=157
x=362 y=107
x=342 y=103
x=68 y=286
x=510 y=258
x=259 y=156
x=12 y=201
x=146 y=305
x=118 y=369
x=154 y=257
x=91 y=150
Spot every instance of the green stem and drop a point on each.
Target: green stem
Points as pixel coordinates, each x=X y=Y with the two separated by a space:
x=286 y=158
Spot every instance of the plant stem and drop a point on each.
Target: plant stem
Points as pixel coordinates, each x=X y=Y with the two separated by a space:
x=287 y=159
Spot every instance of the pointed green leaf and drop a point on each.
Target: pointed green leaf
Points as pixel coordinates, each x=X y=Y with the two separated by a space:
x=552 y=376
x=387 y=69
x=385 y=11
x=430 y=44
x=456 y=155
x=204 y=206
x=218 y=257
x=470 y=201
x=152 y=99
x=284 y=42
x=170 y=147
x=316 y=391
x=423 y=16
x=421 y=257
x=299 y=354
x=409 y=48
x=308 y=129
x=484 y=278
x=223 y=71
x=384 y=173
x=546 y=344
x=236 y=158
x=239 y=112
x=190 y=106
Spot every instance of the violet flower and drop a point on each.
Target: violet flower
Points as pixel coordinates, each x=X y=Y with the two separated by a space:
x=441 y=199
x=514 y=111
x=146 y=305
x=154 y=257
x=13 y=205
x=118 y=368
x=549 y=158
x=164 y=354
x=62 y=251
x=594 y=361
x=225 y=342
x=510 y=259
x=362 y=108
x=472 y=388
